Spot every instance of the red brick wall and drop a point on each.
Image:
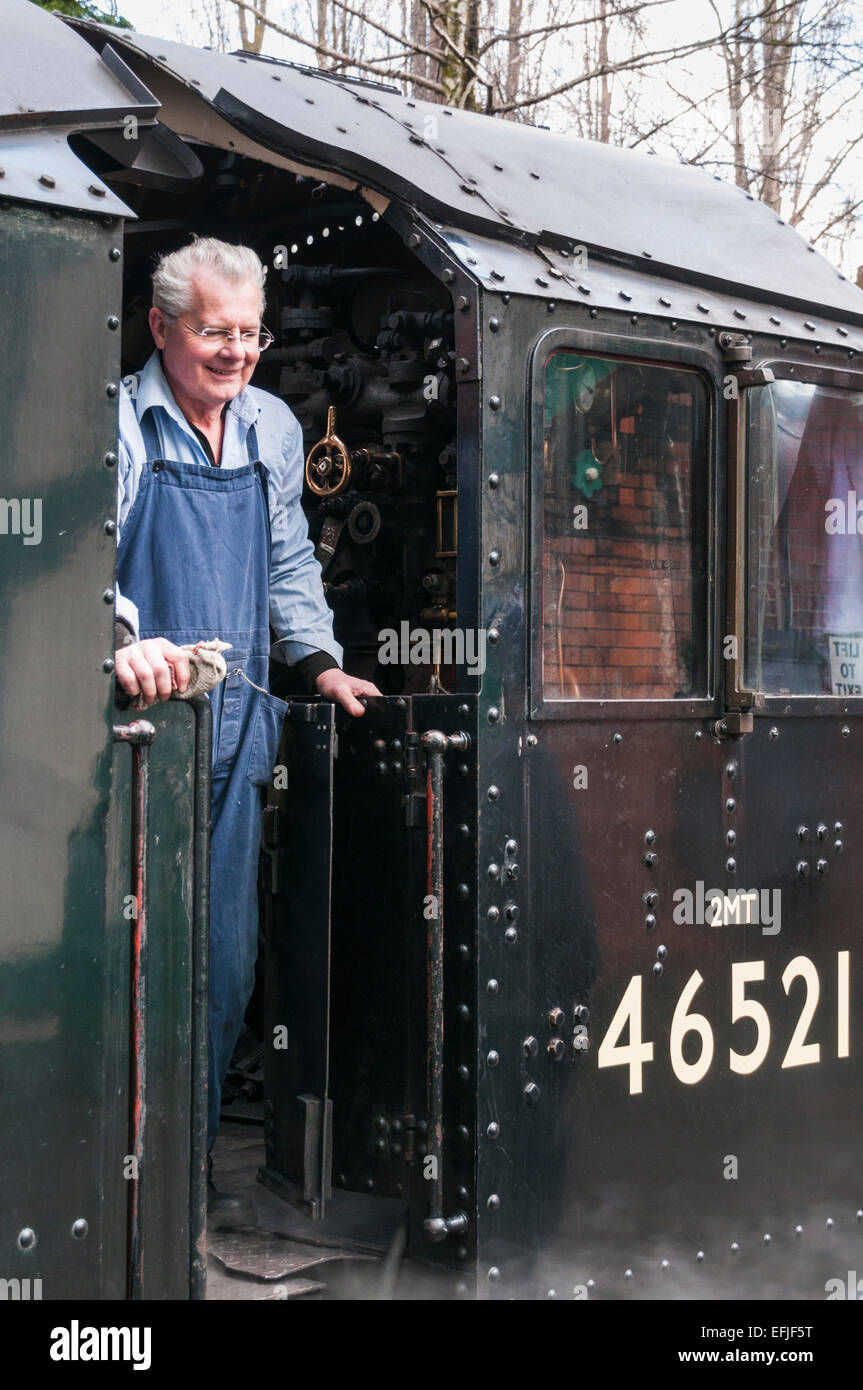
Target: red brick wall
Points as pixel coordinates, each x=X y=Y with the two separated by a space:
x=623 y=627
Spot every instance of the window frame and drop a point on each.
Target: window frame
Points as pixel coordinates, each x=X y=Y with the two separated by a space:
x=806 y=373
x=641 y=351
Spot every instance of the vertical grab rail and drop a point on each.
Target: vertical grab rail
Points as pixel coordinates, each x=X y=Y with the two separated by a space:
x=200 y=990
x=437 y=1226
x=139 y=735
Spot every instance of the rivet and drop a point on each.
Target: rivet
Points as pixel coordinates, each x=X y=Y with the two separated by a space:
x=414 y=239
x=109 y=528
x=731 y=805
x=829 y=1223
x=493 y=1130
x=821 y=830
x=802 y=868
x=493 y=636
x=510 y=911
x=492 y=988
x=494 y=557
x=838 y=846
x=464 y=711
x=111 y=390
x=838 y=827
x=532 y=1093
x=464 y=951
x=493 y=1274
x=673 y=325
x=802 y=833
x=530 y=1046
x=617 y=738
x=650 y=921
x=493 y=1058
x=556 y=1049
x=461 y=1252
x=493 y=914
x=661 y=952
x=845 y=731
x=493 y=869
x=493 y=793
x=698 y=735
x=493 y=714
x=448 y=276
x=650 y=860
x=551 y=306
x=650 y=837
x=510 y=936
x=657 y=969
x=663 y=1264
x=651 y=898
x=731 y=865
x=26 y=1238
x=581 y=1013
x=731 y=837
x=493 y=1202
x=494 y=402
x=730 y=769
x=798 y=1230
x=627 y=1274
x=113 y=322
x=700 y=1256
x=464 y=1072
x=462 y=890
x=531 y=740
x=79 y=1228
x=494 y=324
x=108 y=665
x=114 y=254
x=767 y=1238
x=462 y=302
x=774 y=732
x=594 y=313
x=591 y=1284
x=494 y=480
x=823 y=866
x=556 y=1017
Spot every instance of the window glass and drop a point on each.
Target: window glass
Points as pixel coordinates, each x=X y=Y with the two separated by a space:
x=804 y=570
x=625 y=469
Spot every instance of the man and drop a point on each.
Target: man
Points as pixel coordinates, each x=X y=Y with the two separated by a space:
x=213 y=544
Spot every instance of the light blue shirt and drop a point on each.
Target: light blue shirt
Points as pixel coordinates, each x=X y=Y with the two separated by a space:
x=299 y=614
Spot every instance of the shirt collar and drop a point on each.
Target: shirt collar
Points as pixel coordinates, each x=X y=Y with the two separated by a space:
x=153 y=390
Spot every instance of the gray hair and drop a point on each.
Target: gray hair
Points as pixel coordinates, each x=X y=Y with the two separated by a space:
x=173 y=287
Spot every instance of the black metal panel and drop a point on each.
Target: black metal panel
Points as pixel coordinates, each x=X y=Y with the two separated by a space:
x=511 y=180
x=298 y=957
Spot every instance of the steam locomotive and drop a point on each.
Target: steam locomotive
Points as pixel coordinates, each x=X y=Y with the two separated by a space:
x=561 y=987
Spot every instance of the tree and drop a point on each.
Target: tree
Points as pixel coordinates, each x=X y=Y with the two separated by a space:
x=80 y=9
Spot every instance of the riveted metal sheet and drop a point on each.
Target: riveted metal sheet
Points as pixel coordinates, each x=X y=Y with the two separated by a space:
x=39 y=167
x=511 y=180
x=50 y=76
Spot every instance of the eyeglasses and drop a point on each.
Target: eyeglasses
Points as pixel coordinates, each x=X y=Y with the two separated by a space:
x=251 y=337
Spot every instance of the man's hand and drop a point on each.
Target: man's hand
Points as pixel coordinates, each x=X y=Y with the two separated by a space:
x=145 y=668
x=338 y=685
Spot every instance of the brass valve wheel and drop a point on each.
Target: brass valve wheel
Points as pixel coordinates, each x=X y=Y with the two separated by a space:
x=328 y=465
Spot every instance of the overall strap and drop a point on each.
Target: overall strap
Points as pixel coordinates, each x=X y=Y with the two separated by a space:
x=150 y=437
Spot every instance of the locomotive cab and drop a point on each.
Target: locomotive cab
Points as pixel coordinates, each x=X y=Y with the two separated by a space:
x=558 y=940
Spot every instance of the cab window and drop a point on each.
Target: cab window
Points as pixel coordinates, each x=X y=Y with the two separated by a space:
x=625 y=469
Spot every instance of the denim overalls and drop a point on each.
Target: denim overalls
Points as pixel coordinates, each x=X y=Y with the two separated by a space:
x=194 y=556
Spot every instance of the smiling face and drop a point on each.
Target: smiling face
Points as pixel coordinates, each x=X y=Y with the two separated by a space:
x=204 y=376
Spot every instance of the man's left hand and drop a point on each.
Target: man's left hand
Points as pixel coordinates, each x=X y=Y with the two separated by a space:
x=338 y=685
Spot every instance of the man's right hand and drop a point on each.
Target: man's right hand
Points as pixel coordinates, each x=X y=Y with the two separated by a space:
x=144 y=668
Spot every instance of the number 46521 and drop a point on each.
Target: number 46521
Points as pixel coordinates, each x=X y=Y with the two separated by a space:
x=637 y=1052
